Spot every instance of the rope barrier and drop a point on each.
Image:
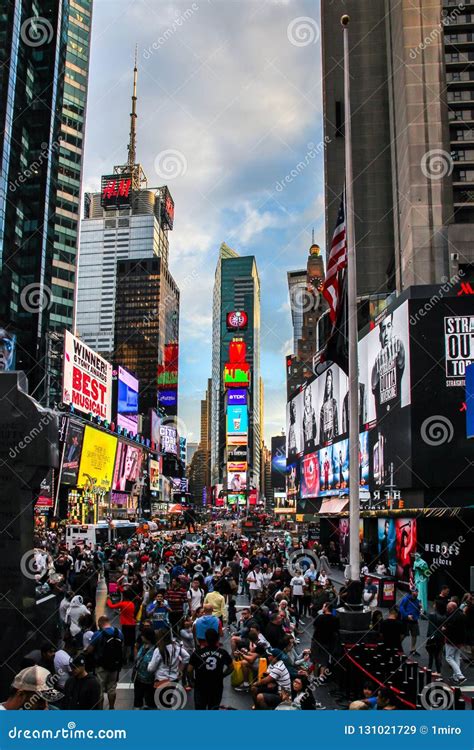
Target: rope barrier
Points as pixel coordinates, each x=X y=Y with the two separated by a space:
x=381 y=684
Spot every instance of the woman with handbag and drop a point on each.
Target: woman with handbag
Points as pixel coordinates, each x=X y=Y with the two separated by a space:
x=143 y=688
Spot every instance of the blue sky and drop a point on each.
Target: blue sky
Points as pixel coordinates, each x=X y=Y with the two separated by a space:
x=229 y=102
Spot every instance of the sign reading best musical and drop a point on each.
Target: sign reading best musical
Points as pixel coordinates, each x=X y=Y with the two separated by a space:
x=87 y=379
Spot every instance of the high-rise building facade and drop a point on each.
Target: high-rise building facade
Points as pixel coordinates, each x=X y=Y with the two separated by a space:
x=44 y=55
x=413 y=197
x=200 y=468
x=236 y=289
x=146 y=321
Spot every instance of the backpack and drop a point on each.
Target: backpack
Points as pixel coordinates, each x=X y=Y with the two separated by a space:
x=111 y=654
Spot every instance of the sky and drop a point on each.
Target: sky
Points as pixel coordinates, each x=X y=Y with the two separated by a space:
x=229 y=104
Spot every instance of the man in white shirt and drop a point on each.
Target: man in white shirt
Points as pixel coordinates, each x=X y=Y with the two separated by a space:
x=266 y=691
x=297 y=585
x=255 y=582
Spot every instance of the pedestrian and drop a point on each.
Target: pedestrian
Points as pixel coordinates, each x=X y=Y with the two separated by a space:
x=176 y=597
x=326 y=640
x=435 y=638
x=82 y=691
x=208 y=621
x=392 y=630
x=128 y=622
x=107 y=646
x=218 y=604
x=266 y=690
x=297 y=585
x=168 y=660
x=142 y=678
x=410 y=611
x=255 y=582
x=76 y=609
x=31 y=690
x=210 y=665
x=454 y=629
x=195 y=596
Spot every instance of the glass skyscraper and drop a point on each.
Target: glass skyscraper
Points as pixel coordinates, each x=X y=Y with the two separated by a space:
x=44 y=54
x=236 y=287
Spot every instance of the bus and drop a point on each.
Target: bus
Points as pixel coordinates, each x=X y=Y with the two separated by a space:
x=99 y=533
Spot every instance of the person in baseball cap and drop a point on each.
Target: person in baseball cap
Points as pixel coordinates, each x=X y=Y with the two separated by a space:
x=31 y=689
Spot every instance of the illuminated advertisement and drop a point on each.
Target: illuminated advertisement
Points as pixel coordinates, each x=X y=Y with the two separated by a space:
x=7 y=350
x=168 y=371
x=155 y=423
x=278 y=475
x=309 y=476
x=167 y=208
x=97 y=460
x=236 y=499
x=253 y=497
x=364 y=459
x=459 y=347
x=168 y=398
x=116 y=191
x=284 y=504
x=237 y=466
x=237 y=397
x=168 y=439
x=72 y=452
x=293 y=421
x=326 y=477
x=405 y=547
x=236 y=481
x=236 y=440
x=340 y=465
x=237 y=453
x=87 y=379
x=237 y=320
x=127 y=467
x=387 y=544
x=236 y=375
x=237 y=420
x=127 y=400
x=292 y=480
x=155 y=469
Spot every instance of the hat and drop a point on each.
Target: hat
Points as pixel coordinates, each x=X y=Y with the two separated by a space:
x=198 y=568
x=78 y=661
x=274 y=652
x=35 y=680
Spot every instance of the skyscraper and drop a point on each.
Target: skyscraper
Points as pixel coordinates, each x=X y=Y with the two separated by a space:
x=414 y=206
x=236 y=289
x=44 y=55
x=200 y=468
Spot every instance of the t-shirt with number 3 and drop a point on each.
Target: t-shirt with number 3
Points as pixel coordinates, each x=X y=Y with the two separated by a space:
x=209 y=665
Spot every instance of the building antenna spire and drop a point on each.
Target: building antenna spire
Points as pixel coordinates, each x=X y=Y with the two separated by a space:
x=132 y=146
x=312 y=236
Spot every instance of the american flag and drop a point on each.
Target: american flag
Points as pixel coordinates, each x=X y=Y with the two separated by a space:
x=336 y=263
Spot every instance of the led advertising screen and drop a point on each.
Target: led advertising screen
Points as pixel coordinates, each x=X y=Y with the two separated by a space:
x=459 y=347
x=87 y=379
x=293 y=423
x=405 y=547
x=237 y=420
x=127 y=466
x=278 y=475
x=292 y=480
x=236 y=481
x=237 y=375
x=7 y=350
x=168 y=399
x=155 y=468
x=116 y=191
x=168 y=370
x=168 y=439
x=97 y=460
x=167 y=208
x=309 y=476
x=237 y=320
x=236 y=440
x=283 y=504
x=237 y=397
x=72 y=452
x=127 y=400
x=237 y=453
x=155 y=423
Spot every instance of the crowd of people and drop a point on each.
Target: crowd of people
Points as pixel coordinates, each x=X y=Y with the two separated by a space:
x=185 y=616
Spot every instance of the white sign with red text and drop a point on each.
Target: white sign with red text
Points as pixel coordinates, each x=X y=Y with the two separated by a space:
x=87 y=379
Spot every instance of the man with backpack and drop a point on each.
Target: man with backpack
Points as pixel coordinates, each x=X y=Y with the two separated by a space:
x=107 y=647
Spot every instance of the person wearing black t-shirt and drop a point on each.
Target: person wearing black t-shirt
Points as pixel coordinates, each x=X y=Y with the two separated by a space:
x=392 y=630
x=210 y=665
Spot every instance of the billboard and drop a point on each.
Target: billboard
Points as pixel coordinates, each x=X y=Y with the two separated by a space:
x=309 y=476
x=72 y=452
x=284 y=504
x=470 y=401
x=168 y=398
x=237 y=397
x=167 y=208
x=236 y=375
x=155 y=423
x=237 y=320
x=168 y=439
x=237 y=420
x=293 y=480
x=116 y=191
x=459 y=347
x=155 y=470
x=7 y=350
x=237 y=441
x=127 y=467
x=278 y=475
x=236 y=499
x=294 y=444
x=405 y=547
x=87 y=379
x=127 y=400
x=97 y=460
x=237 y=466
x=168 y=370
x=236 y=481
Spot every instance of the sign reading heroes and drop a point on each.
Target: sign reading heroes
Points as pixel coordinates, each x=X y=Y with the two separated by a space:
x=116 y=191
x=87 y=379
x=237 y=320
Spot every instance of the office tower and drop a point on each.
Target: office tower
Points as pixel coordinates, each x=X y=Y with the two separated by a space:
x=307 y=306
x=125 y=221
x=200 y=468
x=191 y=449
x=44 y=54
x=412 y=179
x=236 y=290
x=146 y=326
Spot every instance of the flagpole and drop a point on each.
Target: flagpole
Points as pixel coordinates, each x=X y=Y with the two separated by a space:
x=354 y=508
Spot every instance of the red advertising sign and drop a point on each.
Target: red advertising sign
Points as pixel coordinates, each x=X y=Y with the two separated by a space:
x=87 y=379
x=237 y=320
x=116 y=191
x=237 y=351
x=236 y=375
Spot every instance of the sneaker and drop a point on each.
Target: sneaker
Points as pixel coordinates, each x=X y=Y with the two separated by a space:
x=461 y=680
x=243 y=687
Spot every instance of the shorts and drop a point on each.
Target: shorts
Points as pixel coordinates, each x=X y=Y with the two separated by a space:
x=108 y=681
x=412 y=627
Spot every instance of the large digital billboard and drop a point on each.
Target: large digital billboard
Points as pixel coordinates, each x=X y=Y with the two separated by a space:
x=167 y=208
x=237 y=397
x=168 y=370
x=309 y=476
x=237 y=420
x=168 y=399
x=7 y=350
x=116 y=191
x=127 y=466
x=236 y=375
x=168 y=439
x=237 y=320
x=236 y=481
x=278 y=475
x=155 y=468
x=283 y=504
x=97 y=460
x=459 y=347
x=72 y=452
x=87 y=379
x=127 y=400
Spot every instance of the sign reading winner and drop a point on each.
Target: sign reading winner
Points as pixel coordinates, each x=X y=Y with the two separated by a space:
x=87 y=379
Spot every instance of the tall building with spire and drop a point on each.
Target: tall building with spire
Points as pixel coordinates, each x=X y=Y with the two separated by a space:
x=127 y=301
